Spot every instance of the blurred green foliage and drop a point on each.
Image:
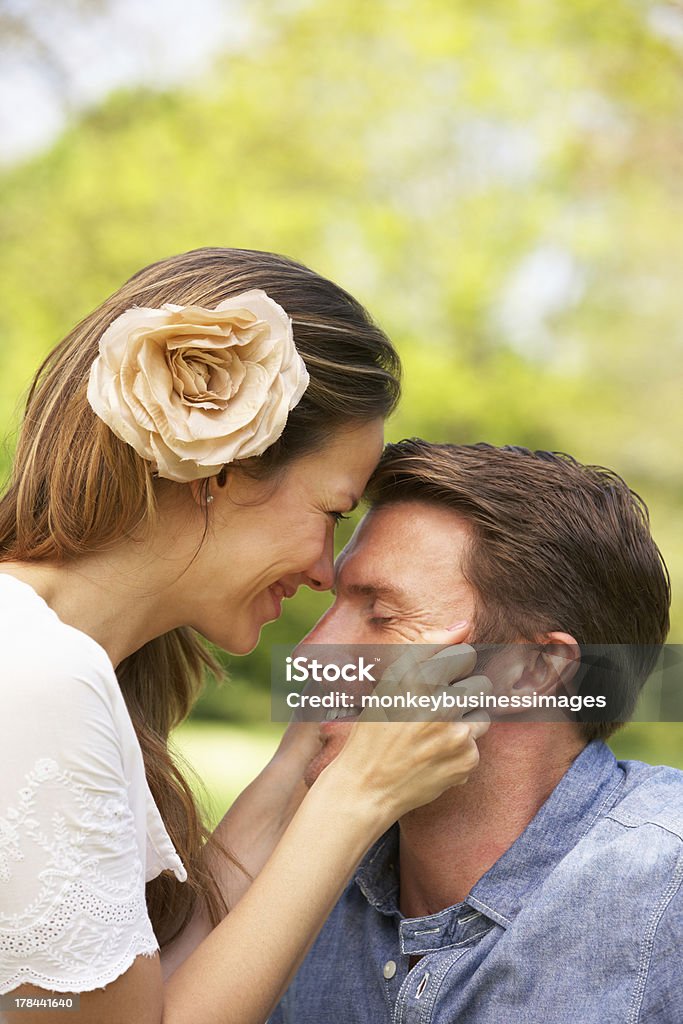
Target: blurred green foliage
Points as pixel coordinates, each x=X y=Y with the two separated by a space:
x=499 y=183
x=224 y=758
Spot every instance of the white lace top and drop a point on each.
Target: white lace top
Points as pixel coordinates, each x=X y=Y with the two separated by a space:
x=80 y=833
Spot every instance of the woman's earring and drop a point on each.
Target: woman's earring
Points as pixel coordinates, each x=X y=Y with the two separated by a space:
x=209 y=498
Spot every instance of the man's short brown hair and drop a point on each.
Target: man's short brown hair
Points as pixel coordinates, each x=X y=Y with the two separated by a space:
x=556 y=545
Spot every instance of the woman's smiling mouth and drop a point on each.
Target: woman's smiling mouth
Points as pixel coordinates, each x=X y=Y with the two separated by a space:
x=279 y=591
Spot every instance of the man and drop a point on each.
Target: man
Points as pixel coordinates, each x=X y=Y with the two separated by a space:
x=549 y=887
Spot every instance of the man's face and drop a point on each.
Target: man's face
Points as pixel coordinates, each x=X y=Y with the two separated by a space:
x=399 y=576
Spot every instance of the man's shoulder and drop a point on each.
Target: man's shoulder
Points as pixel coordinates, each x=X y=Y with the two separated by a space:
x=652 y=795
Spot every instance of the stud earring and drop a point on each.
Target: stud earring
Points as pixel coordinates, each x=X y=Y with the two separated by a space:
x=209 y=498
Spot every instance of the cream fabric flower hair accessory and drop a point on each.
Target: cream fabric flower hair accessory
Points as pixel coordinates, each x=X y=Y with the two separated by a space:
x=191 y=389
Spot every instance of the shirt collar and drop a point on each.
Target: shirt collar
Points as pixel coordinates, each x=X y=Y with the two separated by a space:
x=377 y=874
x=587 y=790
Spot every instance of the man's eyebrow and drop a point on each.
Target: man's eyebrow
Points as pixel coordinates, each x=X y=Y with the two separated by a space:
x=376 y=588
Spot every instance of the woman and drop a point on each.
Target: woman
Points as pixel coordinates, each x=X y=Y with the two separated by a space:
x=185 y=454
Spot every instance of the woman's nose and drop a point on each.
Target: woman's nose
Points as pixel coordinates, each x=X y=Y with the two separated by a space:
x=321 y=575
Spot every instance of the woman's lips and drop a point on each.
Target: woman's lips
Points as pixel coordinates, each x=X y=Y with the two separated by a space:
x=277 y=599
x=278 y=591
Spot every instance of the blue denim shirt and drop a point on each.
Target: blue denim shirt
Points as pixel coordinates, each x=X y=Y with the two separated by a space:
x=579 y=922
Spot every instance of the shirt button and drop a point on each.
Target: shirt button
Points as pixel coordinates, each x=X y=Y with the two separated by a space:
x=389 y=969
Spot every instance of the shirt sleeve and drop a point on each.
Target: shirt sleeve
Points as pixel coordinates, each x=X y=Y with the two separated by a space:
x=73 y=915
x=663 y=989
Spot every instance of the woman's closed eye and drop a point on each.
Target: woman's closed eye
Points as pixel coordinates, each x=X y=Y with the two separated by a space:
x=338 y=516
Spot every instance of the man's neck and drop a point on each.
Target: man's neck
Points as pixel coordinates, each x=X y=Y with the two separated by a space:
x=446 y=846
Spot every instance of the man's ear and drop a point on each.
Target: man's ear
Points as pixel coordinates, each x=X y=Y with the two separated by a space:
x=546 y=666
x=552 y=666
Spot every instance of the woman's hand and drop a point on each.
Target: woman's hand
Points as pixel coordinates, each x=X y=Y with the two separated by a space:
x=239 y=970
x=399 y=763
x=300 y=742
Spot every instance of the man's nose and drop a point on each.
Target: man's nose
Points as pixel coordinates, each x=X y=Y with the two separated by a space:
x=329 y=629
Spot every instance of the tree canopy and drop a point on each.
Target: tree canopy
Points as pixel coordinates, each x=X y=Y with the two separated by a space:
x=499 y=183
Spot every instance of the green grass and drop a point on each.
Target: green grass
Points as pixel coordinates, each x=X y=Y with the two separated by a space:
x=227 y=757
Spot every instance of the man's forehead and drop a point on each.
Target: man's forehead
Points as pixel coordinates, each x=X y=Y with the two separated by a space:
x=390 y=543
x=364 y=562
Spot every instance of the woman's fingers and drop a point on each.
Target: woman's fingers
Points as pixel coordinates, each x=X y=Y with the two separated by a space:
x=418 y=688
x=468 y=693
x=412 y=763
x=439 y=646
x=462 y=701
x=479 y=723
x=428 y=688
x=425 y=665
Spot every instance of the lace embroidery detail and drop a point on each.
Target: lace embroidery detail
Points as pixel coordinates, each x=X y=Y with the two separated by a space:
x=78 y=851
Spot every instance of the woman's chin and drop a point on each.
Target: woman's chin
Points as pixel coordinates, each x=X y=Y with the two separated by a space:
x=243 y=636
x=244 y=643
x=245 y=640
x=237 y=641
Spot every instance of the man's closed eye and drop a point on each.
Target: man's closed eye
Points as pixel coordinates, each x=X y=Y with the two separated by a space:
x=380 y=621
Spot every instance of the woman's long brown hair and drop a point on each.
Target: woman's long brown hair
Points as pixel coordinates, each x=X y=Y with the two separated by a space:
x=75 y=488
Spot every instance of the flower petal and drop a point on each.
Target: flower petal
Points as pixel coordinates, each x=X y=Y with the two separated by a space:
x=192 y=388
